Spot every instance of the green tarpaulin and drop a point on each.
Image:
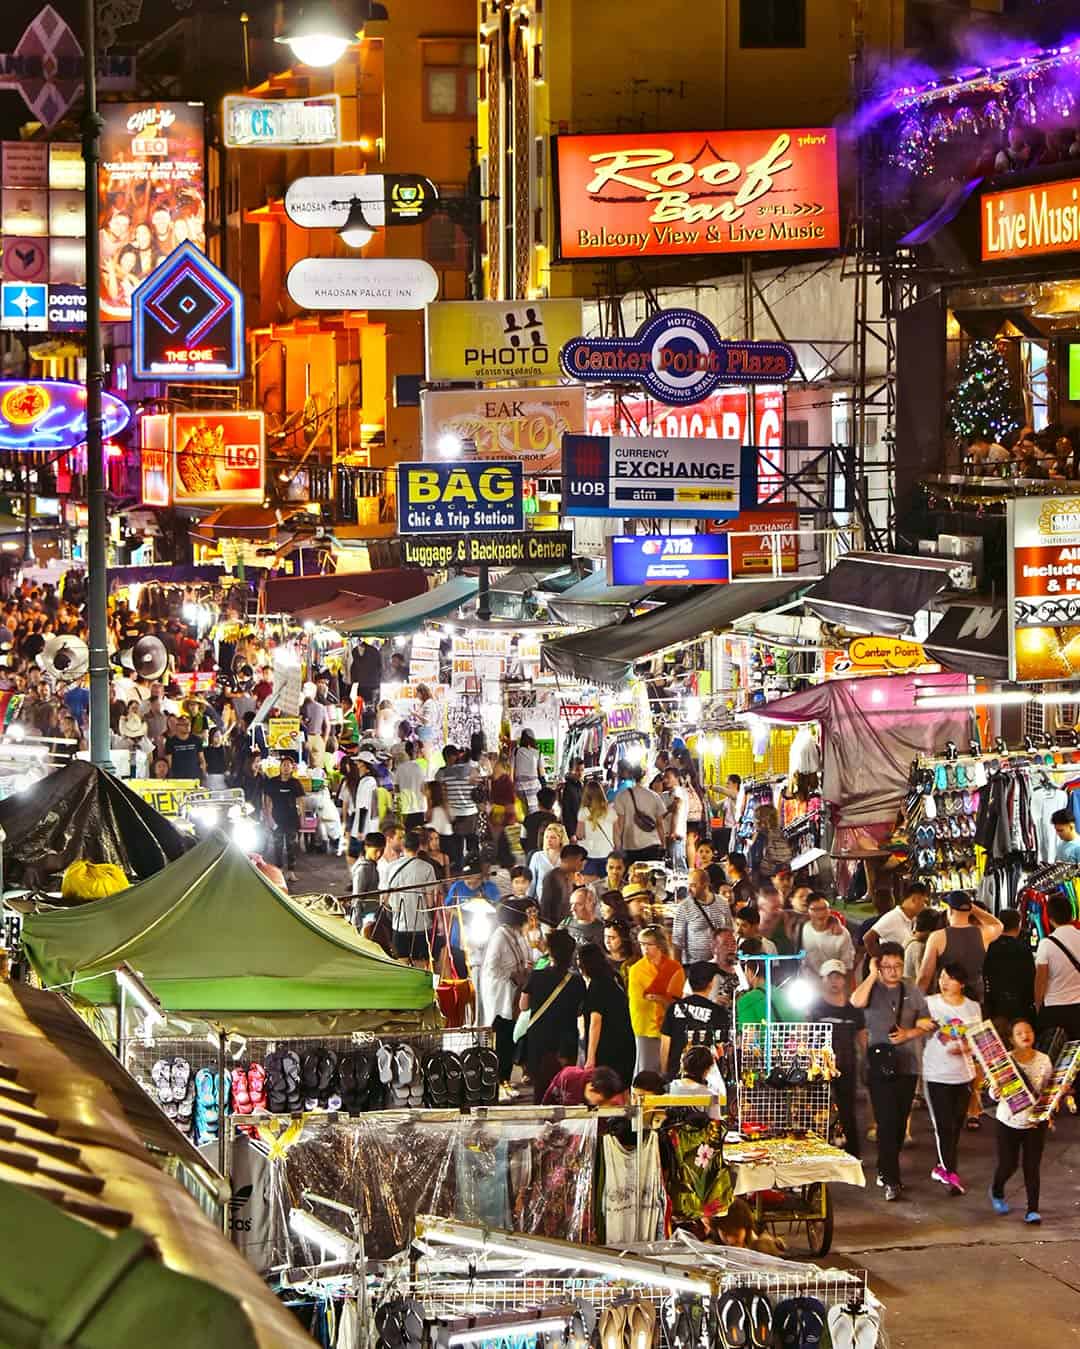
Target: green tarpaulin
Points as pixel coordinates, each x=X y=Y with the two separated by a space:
x=211 y=936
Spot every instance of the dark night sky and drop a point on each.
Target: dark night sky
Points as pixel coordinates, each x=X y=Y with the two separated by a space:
x=157 y=16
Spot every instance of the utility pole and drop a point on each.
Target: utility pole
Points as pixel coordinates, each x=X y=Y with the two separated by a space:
x=97 y=522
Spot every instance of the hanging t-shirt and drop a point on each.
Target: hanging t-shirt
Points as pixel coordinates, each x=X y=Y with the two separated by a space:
x=1044 y=800
x=939 y=1064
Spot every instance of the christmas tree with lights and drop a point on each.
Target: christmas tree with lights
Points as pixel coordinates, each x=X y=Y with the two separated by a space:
x=984 y=403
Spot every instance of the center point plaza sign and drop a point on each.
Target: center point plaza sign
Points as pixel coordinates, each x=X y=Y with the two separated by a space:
x=482 y=497
x=679 y=357
x=684 y=192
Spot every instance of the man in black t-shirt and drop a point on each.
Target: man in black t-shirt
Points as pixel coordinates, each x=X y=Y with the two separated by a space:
x=186 y=753
x=282 y=804
x=848 y=1031
x=693 y=1020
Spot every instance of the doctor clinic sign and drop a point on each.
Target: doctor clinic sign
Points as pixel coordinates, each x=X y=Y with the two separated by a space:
x=478 y=497
x=686 y=192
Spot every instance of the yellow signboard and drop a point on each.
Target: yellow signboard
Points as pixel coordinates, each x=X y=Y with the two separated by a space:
x=492 y=339
x=878 y=655
x=282 y=732
x=166 y=795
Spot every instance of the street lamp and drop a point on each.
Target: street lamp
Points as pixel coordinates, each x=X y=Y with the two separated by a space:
x=318 y=36
x=356 y=231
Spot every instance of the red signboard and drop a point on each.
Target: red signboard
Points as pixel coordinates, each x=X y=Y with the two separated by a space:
x=1026 y=222
x=219 y=458
x=154 y=455
x=754 y=557
x=685 y=192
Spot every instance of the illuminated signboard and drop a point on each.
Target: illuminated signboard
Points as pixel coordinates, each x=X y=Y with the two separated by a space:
x=154 y=455
x=188 y=321
x=279 y=122
x=218 y=458
x=1027 y=222
x=51 y=415
x=151 y=194
x=660 y=194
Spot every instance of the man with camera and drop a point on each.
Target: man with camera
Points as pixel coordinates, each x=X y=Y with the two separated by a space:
x=897 y=1018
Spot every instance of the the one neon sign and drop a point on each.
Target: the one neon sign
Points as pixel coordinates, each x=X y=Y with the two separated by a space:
x=50 y=414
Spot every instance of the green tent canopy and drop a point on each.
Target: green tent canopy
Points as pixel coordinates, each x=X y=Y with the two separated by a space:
x=212 y=937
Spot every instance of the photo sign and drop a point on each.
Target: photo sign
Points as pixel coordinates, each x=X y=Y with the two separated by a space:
x=523 y=424
x=679 y=357
x=496 y=339
x=482 y=497
x=658 y=194
x=673 y=478
x=1044 y=589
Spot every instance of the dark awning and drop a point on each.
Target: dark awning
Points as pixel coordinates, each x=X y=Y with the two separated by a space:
x=606 y=655
x=878 y=592
x=972 y=639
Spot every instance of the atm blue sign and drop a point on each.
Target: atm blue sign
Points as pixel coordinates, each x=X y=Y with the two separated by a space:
x=668 y=560
x=481 y=497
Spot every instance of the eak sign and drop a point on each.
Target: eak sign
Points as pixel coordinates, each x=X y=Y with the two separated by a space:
x=679 y=357
x=188 y=321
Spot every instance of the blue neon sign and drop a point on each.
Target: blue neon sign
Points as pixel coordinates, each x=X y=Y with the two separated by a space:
x=50 y=414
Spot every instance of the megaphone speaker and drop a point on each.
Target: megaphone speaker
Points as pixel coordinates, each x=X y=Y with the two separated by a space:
x=149 y=658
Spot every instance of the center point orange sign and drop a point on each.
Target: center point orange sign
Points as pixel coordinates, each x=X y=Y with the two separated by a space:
x=686 y=192
x=1026 y=222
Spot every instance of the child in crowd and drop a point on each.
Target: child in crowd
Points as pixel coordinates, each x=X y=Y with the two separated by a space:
x=1019 y=1138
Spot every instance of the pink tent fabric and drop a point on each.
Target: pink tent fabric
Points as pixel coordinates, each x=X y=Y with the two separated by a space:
x=870 y=732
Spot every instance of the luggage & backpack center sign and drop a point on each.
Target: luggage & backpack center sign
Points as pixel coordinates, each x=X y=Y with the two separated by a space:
x=482 y=497
x=677 y=356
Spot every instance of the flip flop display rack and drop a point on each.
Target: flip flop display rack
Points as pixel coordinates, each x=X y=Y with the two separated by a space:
x=756 y=1300
x=336 y=1074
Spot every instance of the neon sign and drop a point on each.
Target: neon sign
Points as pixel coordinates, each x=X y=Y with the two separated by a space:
x=188 y=321
x=51 y=415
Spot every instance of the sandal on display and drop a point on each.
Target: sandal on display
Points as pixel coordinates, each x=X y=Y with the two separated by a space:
x=241 y=1098
x=641 y=1326
x=436 y=1093
x=385 y=1060
x=613 y=1328
x=760 y=1318
x=733 y=1322
x=455 y=1081
x=160 y=1076
x=179 y=1077
x=405 y=1063
x=256 y=1076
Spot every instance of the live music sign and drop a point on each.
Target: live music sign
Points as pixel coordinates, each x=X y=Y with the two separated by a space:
x=1027 y=222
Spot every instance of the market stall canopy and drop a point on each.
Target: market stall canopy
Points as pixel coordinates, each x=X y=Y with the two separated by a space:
x=795 y=630
x=593 y=603
x=390 y=585
x=412 y=614
x=101 y=1245
x=254 y=523
x=212 y=936
x=972 y=639
x=878 y=592
x=606 y=656
x=82 y=812
x=871 y=730
x=340 y=608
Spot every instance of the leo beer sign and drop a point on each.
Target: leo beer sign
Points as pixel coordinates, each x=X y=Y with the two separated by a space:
x=686 y=192
x=219 y=458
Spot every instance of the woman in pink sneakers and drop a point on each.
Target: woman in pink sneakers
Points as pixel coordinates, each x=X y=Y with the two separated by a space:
x=948 y=1069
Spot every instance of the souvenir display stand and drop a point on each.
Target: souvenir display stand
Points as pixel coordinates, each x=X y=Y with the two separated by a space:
x=782 y=1158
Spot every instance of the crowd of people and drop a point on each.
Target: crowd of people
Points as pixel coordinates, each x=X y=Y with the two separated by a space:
x=613 y=938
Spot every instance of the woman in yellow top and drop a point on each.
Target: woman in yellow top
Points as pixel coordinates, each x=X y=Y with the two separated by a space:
x=652 y=985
